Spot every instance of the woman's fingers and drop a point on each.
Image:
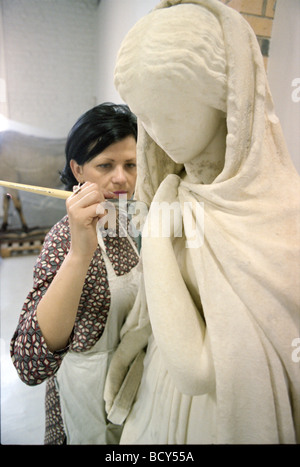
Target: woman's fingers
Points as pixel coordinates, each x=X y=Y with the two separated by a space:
x=84 y=190
x=89 y=185
x=88 y=194
x=88 y=204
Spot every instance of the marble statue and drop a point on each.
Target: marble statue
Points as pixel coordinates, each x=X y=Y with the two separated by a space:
x=209 y=343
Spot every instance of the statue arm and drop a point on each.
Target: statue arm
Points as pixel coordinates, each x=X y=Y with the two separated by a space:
x=178 y=328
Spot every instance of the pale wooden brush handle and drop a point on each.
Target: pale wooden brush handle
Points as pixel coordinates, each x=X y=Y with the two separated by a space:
x=62 y=194
x=38 y=190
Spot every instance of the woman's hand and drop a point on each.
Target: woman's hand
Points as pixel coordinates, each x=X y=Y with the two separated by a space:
x=83 y=217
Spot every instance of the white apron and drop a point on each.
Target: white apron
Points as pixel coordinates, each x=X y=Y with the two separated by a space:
x=81 y=377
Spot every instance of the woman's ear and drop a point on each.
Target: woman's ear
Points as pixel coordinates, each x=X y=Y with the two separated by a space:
x=77 y=171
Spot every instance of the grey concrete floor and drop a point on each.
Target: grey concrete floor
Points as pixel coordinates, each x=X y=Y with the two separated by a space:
x=22 y=406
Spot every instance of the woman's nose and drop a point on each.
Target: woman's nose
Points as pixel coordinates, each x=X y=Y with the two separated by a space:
x=119 y=175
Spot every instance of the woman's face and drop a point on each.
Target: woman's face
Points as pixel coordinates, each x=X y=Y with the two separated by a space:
x=114 y=169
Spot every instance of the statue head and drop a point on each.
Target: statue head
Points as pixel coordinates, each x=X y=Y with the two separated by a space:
x=182 y=43
x=171 y=72
x=188 y=58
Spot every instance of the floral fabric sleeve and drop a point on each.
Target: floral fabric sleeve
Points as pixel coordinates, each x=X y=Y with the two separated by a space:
x=32 y=359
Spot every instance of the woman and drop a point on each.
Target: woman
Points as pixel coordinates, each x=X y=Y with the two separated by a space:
x=82 y=290
x=222 y=293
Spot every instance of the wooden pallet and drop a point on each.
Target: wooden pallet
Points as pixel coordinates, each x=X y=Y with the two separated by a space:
x=21 y=243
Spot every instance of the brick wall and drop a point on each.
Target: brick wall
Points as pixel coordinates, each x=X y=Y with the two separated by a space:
x=260 y=15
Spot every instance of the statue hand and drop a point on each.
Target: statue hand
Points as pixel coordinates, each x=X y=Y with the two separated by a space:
x=164 y=219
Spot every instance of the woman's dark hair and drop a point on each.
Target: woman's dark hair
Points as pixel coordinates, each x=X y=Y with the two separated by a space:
x=94 y=131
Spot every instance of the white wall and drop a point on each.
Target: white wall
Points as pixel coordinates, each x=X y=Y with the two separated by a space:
x=60 y=57
x=115 y=18
x=284 y=70
x=50 y=62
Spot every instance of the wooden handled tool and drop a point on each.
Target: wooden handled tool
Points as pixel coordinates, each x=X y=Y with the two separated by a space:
x=62 y=194
x=38 y=190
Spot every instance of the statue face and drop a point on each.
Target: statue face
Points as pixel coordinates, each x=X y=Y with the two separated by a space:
x=174 y=116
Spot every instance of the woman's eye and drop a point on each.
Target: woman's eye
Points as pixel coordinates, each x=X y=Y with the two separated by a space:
x=104 y=166
x=131 y=166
